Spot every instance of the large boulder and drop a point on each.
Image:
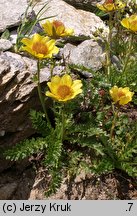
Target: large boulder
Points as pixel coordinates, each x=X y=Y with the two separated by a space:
x=10 y=13
x=88 y=54
x=88 y=5
x=18 y=93
x=83 y=22
x=5 y=45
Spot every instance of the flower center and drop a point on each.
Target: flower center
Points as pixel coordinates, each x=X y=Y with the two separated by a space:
x=64 y=91
x=109 y=5
x=133 y=23
x=121 y=94
x=108 y=1
x=57 y=24
x=39 y=47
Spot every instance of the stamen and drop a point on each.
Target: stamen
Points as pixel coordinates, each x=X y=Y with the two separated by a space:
x=39 y=47
x=120 y=94
x=57 y=23
x=64 y=91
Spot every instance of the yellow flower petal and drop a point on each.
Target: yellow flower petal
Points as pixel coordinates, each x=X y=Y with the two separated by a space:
x=114 y=93
x=121 y=95
x=27 y=42
x=66 y=80
x=78 y=91
x=56 y=29
x=125 y=100
x=36 y=38
x=47 y=28
x=110 y=5
x=53 y=85
x=125 y=23
x=100 y=6
x=130 y=23
x=40 y=46
x=55 y=80
x=77 y=84
x=69 y=31
x=26 y=48
x=63 y=88
x=49 y=94
x=51 y=46
x=60 y=30
x=55 y=50
x=47 y=39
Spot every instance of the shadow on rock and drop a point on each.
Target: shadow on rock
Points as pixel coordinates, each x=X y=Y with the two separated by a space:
x=17 y=181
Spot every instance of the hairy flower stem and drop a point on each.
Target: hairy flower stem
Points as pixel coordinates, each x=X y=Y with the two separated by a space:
x=52 y=68
x=21 y=28
x=127 y=58
x=108 y=47
x=40 y=93
x=63 y=123
x=113 y=124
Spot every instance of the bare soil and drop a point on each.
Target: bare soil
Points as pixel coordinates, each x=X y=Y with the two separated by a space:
x=25 y=182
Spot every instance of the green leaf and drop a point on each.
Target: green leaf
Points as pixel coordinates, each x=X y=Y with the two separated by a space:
x=25 y=149
x=5 y=34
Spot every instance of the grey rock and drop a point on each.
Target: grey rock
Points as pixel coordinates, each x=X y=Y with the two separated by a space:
x=18 y=94
x=17 y=89
x=88 y=5
x=13 y=36
x=5 y=44
x=10 y=13
x=45 y=73
x=116 y=62
x=7 y=190
x=15 y=86
x=66 y=51
x=83 y=22
x=88 y=54
x=2 y=133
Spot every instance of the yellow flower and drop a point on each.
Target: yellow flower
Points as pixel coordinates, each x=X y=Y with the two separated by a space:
x=56 y=29
x=39 y=46
x=130 y=22
x=64 y=88
x=121 y=95
x=111 y=5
